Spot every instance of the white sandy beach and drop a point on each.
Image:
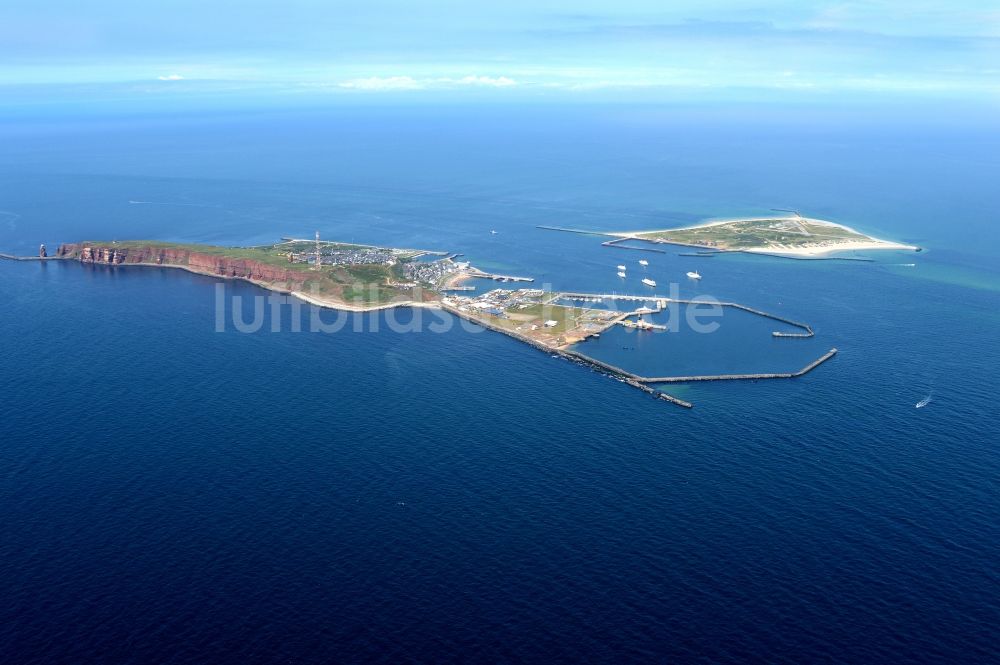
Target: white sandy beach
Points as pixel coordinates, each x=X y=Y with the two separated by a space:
x=819 y=250
x=335 y=304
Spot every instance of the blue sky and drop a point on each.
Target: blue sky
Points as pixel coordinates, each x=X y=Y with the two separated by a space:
x=542 y=48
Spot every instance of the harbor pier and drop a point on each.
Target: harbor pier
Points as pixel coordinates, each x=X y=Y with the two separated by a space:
x=616 y=241
x=806 y=329
x=743 y=377
x=499 y=278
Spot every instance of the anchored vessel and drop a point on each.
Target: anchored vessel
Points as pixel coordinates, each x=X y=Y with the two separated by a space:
x=643 y=262
x=694 y=274
x=648 y=282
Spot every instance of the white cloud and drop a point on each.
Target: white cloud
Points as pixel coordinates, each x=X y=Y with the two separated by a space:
x=491 y=81
x=383 y=83
x=171 y=77
x=410 y=83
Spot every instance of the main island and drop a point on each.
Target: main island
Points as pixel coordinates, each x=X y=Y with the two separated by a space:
x=363 y=278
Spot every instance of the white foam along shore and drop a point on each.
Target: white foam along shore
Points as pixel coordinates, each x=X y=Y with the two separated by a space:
x=346 y=307
x=829 y=246
x=834 y=246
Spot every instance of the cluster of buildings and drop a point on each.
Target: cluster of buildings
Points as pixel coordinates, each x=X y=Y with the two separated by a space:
x=500 y=302
x=347 y=256
x=536 y=314
x=433 y=272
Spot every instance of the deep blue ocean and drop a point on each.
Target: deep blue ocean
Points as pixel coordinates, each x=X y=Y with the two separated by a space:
x=172 y=494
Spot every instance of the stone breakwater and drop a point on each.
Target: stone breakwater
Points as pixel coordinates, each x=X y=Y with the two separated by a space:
x=574 y=356
x=207 y=264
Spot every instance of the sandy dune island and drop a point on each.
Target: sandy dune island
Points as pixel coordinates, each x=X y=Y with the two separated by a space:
x=792 y=236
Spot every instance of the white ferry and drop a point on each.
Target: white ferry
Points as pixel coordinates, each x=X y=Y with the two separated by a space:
x=648 y=282
x=621 y=274
x=643 y=262
x=694 y=275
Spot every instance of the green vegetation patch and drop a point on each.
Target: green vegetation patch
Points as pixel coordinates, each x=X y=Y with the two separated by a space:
x=566 y=318
x=355 y=284
x=757 y=233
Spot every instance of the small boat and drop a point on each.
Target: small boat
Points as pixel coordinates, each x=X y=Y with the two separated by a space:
x=648 y=282
x=492 y=232
x=694 y=274
x=924 y=402
x=621 y=267
x=621 y=274
x=643 y=262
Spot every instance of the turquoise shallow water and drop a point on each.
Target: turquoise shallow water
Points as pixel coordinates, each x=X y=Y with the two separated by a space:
x=176 y=494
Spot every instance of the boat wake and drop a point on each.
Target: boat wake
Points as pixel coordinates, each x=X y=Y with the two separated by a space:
x=11 y=218
x=168 y=203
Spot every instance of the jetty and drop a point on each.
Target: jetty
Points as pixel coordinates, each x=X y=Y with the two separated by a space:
x=641 y=325
x=644 y=382
x=742 y=377
x=597 y=365
x=573 y=295
x=616 y=243
x=806 y=329
x=580 y=231
x=472 y=272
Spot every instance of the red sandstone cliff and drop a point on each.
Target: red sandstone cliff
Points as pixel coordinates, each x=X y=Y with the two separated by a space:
x=195 y=261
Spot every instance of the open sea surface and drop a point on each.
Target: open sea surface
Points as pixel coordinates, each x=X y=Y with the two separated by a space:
x=174 y=494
